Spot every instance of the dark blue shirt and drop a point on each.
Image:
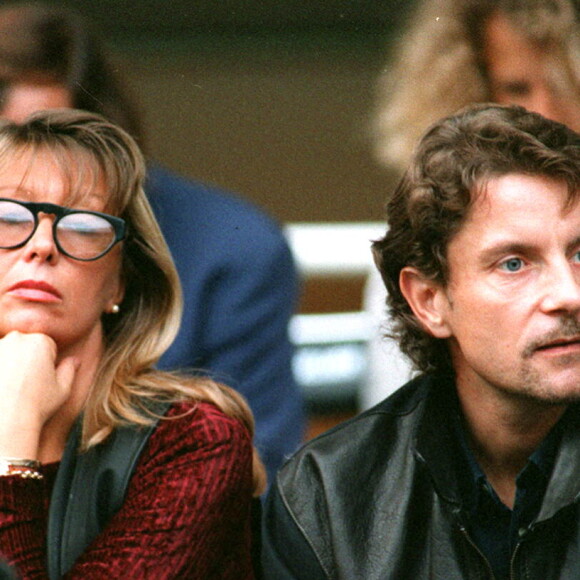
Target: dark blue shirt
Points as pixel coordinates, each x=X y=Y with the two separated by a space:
x=494 y=527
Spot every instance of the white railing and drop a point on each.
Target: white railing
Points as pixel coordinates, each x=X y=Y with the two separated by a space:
x=333 y=248
x=331 y=356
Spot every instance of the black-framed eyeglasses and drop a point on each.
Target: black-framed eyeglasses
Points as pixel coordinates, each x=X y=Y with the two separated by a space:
x=79 y=234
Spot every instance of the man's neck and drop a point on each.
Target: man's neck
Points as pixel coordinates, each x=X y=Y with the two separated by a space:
x=503 y=432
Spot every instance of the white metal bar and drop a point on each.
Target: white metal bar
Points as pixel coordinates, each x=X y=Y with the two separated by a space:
x=333 y=248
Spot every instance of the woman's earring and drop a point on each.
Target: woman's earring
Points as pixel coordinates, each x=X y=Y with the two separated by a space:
x=115 y=309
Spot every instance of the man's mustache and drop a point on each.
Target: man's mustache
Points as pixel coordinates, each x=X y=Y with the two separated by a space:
x=567 y=331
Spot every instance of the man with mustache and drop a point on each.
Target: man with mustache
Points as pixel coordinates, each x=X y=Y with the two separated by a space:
x=471 y=470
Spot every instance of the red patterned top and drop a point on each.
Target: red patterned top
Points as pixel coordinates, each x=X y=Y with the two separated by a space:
x=186 y=514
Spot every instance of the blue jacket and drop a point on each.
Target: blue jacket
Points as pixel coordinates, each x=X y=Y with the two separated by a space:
x=240 y=289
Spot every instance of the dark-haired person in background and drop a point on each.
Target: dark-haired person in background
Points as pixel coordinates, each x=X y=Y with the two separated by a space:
x=471 y=470
x=238 y=276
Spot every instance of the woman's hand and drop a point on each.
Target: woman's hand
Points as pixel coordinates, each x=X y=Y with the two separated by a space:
x=32 y=388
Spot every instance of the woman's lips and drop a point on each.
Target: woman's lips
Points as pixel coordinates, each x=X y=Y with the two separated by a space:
x=35 y=291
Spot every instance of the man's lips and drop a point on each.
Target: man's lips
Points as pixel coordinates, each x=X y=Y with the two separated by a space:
x=559 y=344
x=36 y=291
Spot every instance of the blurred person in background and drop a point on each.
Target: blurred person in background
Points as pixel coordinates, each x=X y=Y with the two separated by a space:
x=238 y=276
x=454 y=53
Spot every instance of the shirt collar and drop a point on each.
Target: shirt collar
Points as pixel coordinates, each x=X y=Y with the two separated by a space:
x=537 y=471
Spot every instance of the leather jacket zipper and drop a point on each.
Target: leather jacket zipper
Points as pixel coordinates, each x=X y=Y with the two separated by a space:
x=512 y=560
x=516 y=549
x=463 y=530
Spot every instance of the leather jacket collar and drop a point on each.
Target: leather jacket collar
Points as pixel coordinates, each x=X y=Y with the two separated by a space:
x=437 y=450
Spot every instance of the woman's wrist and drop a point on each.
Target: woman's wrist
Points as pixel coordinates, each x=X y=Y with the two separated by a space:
x=20 y=439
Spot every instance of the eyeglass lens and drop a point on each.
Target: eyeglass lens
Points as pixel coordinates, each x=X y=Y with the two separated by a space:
x=83 y=236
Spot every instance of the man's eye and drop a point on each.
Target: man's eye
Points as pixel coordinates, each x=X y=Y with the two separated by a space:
x=512 y=265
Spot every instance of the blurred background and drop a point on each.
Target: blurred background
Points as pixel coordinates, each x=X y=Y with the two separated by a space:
x=267 y=98
x=273 y=100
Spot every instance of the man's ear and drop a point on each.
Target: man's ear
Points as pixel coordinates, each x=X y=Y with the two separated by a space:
x=428 y=301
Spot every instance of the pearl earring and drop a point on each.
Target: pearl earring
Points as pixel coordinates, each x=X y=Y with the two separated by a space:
x=115 y=309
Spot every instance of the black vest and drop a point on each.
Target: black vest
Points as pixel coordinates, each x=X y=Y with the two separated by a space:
x=90 y=488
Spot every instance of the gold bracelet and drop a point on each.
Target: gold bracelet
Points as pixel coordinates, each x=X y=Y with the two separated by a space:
x=32 y=463
x=25 y=468
x=25 y=473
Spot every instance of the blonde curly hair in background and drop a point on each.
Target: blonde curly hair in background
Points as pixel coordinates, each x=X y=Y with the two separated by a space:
x=437 y=66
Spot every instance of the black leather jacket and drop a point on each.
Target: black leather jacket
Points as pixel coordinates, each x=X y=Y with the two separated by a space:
x=377 y=498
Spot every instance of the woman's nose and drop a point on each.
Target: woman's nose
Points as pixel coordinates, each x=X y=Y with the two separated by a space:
x=41 y=246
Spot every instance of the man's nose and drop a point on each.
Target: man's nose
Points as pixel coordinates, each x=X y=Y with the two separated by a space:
x=562 y=289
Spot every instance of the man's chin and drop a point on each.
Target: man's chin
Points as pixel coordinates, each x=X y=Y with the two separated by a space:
x=554 y=393
x=551 y=384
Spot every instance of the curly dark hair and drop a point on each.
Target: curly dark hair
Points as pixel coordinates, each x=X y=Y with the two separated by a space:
x=453 y=161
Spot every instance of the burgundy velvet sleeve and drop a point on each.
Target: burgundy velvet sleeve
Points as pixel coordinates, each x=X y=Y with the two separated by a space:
x=23 y=515
x=186 y=514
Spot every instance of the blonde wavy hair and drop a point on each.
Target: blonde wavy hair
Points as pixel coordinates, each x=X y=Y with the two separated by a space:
x=437 y=66
x=87 y=147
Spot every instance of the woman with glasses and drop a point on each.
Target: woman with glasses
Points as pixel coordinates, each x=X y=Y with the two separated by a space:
x=240 y=286
x=107 y=467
